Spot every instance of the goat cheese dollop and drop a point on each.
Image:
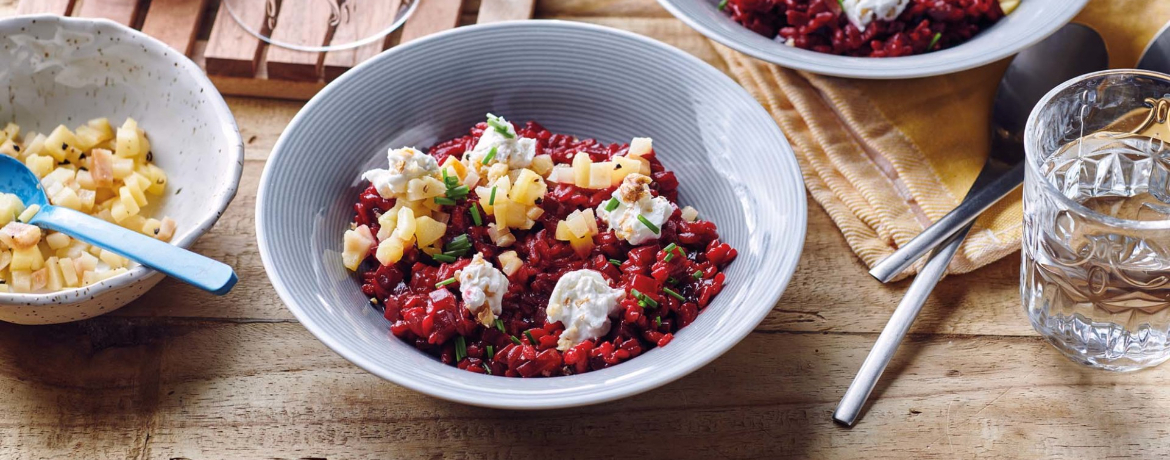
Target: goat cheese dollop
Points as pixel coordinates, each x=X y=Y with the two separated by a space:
x=483 y=287
x=582 y=301
x=634 y=200
x=405 y=164
x=511 y=149
x=863 y=12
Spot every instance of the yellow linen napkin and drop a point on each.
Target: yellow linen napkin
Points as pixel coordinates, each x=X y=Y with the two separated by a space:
x=885 y=158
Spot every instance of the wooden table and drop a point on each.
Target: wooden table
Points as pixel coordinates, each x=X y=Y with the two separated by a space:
x=180 y=374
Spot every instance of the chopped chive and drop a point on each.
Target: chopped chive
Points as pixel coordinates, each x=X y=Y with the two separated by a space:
x=444 y=201
x=648 y=224
x=515 y=340
x=460 y=348
x=445 y=282
x=934 y=41
x=616 y=263
x=490 y=156
x=697 y=275
x=842 y=3
x=500 y=324
x=499 y=125
x=671 y=293
x=657 y=321
x=671 y=280
x=487 y=369
x=446 y=178
x=531 y=340
x=491 y=352
x=475 y=215
x=458 y=192
x=612 y=204
x=723 y=4
x=643 y=299
x=669 y=252
x=492 y=199
x=444 y=258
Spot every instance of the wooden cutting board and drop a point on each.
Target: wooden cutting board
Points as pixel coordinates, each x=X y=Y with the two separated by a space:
x=242 y=65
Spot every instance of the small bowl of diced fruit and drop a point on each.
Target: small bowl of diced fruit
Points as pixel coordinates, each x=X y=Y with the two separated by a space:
x=116 y=125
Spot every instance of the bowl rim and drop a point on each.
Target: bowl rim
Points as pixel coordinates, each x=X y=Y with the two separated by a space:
x=914 y=66
x=212 y=96
x=799 y=220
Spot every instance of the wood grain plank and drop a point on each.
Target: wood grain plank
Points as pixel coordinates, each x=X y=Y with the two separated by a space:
x=431 y=16
x=308 y=23
x=367 y=17
x=271 y=390
x=505 y=10
x=175 y=22
x=231 y=50
x=124 y=12
x=60 y=7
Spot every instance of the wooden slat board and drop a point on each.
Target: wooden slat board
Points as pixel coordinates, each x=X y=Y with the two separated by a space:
x=432 y=16
x=61 y=7
x=175 y=22
x=307 y=24
x=505 y=10
x=231 y=50
x=124 y=12
x=366 y=19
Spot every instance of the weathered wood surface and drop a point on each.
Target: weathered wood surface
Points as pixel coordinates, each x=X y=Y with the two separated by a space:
x=179 y=374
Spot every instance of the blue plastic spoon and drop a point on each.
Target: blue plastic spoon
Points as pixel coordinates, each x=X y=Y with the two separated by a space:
x=191 y=268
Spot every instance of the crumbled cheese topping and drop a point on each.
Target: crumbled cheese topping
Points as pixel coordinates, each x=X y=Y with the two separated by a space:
x=405 y=164
x=582 y=301
x=634 y=199
x=483 y=287
x=515 y=151
x=862 y=12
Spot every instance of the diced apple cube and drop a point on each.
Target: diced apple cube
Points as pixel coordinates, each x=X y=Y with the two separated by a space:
x=622 y=167
x=542 y=164
x=56 y=279
x=10 y=208
x=158 y=180
x=101 y=166
x=10 y=148
x=455 y=167
x=111 y=259
x=58 y=240
x=68 y=272
x=389 y=251
x=41 y=165
x=600 y=175
x=123 y=167
x=640 y=146
x=582 y=165
x=29 y=258
x=428 y=230
x=58 y=142
x=67 y=198
x=22 y=280
x=528 y=188
x=425 y=188
x=406 y=225
x=166 y=230
x=356 y=247
x=20 y=236
x=510 y=262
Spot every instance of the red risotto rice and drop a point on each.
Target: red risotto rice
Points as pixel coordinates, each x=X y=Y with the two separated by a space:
x=824 y=26
x=654 y=287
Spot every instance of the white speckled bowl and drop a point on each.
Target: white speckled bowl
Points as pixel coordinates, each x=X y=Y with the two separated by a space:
x=731 y=159
x=56 y=70
x=1031 y=22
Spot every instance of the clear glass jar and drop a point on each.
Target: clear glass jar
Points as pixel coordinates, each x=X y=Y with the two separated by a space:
x=1095 y=276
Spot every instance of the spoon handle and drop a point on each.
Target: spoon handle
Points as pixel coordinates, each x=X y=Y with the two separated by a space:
x=191 y=268
x=887 y=343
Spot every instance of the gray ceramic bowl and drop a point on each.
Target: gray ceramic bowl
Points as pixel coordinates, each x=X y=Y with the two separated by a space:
x=733 y=162
x=1031 y=22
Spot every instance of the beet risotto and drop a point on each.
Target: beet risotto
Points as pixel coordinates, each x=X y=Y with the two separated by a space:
x=522 y=253
x=868 y=28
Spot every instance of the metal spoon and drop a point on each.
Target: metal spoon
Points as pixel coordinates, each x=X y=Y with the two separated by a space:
x=1156 y=56
x=1072 y=51
x=177 y=262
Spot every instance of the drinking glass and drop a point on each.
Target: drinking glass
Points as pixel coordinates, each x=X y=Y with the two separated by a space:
x=321 y=25
x=1095 y=277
